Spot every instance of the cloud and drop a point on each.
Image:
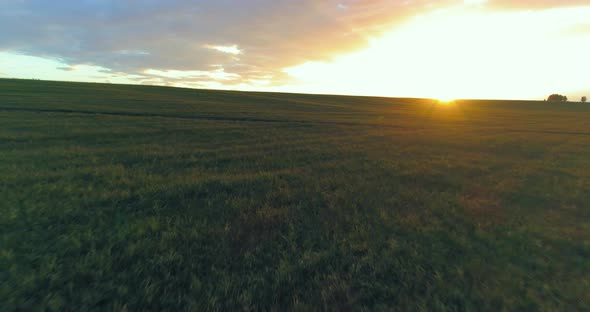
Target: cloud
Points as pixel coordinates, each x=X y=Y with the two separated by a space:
x=184 y=35
x=252 y=40
x=233 y=49
x=475 y=2
x=218 y=74
x=536 y=4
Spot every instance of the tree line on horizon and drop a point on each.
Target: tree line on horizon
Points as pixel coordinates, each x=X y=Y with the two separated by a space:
x=562 y=98
x=557 y=98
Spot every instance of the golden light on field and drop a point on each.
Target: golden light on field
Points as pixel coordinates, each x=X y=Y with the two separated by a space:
x=463 y=52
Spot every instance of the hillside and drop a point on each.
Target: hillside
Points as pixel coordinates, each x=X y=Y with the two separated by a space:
x=132 y=197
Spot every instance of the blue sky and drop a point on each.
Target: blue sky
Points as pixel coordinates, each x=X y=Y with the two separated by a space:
x=280 y=45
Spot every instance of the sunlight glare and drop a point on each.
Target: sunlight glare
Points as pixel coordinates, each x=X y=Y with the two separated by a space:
x=466 y=52
x=445 y=100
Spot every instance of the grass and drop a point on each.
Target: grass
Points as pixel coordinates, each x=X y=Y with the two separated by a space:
x=117 y=197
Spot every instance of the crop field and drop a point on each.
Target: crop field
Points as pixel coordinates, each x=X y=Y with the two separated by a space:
x=141 y=198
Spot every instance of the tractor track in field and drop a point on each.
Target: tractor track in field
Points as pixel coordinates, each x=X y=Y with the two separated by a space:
x=192 y=117
x=267 y=120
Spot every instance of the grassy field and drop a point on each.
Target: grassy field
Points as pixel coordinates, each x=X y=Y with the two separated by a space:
x=138 y=198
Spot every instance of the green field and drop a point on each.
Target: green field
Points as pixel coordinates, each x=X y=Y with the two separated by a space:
x=139 y=198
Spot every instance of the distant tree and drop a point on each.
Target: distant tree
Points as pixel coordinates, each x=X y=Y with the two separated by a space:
x=557 y=98
x=584 y=99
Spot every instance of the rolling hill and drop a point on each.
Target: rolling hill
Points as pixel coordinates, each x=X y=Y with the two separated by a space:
x=125 y=197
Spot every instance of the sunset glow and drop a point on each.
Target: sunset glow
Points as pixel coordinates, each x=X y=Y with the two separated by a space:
x=463 y=53
x=445 y=100
x=435 y=49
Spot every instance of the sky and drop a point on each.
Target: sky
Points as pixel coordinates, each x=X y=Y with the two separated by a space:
x=448 y=49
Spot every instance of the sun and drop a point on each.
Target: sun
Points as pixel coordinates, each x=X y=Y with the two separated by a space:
x=445 y=100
